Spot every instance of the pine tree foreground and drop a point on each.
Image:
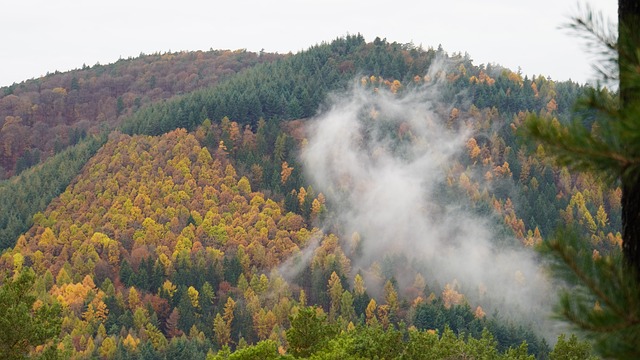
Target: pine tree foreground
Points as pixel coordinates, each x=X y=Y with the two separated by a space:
x=602 y=298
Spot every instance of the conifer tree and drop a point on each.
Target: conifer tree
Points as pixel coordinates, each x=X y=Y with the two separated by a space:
x=603 y=293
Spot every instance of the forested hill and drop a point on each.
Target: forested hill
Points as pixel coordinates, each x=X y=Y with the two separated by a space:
x=490 y=99
x=54 y=124
x=160 y=248
x=296 y=86
x=40 y=117
x=190 y=230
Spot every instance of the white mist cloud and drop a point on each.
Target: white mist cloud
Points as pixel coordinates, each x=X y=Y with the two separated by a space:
x=382 y=159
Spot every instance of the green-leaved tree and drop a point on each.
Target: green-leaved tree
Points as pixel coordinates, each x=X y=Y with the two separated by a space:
x=23 y=327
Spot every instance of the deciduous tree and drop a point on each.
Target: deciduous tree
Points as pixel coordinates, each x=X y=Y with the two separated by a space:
x=23 y=327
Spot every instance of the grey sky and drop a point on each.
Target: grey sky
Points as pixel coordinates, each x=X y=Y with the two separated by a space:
x=41 y=36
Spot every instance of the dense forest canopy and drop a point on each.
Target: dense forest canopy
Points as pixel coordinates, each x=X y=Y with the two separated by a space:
x=40 y=117
x=192 y=228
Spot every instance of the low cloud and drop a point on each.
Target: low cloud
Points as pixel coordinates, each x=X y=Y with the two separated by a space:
x=382 y=159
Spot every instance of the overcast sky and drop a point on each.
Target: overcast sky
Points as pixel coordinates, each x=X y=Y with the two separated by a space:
x=40 y=36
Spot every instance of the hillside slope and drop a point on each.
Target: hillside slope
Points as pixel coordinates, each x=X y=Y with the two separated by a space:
x=41 y=117
x=173 y=242
x=148 y=193
x=158 y=238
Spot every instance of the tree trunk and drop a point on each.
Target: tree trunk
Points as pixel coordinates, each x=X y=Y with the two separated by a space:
x=628 y=41
x=631 y=224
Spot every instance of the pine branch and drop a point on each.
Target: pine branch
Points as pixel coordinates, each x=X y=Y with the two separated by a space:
x=608 y=280
x=600 y=35
x=566 y=254
x=575 y=147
